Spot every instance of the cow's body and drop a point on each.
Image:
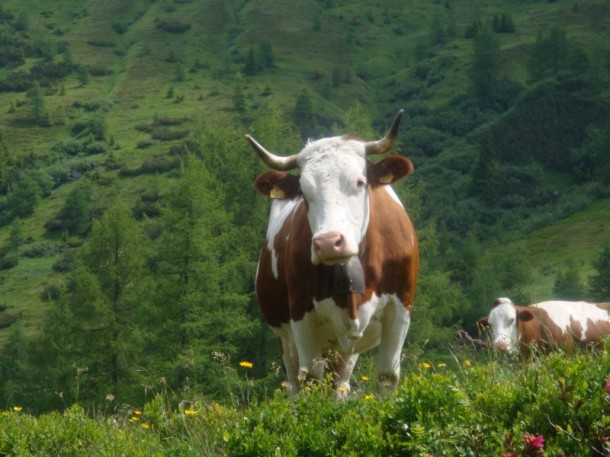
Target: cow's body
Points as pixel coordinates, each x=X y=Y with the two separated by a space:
x=307 y=263
x=547 y=325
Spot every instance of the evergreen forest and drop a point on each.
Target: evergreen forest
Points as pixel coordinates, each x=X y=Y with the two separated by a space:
x=129 y=224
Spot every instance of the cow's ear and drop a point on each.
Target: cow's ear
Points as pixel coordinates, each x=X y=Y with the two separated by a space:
x=389 y=170
x=277 y=184
x=525 y=315
x=483 y=323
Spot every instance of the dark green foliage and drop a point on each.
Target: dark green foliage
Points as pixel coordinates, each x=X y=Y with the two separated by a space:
x=38 y=111
x=173 y=26
x=568 y=283
x=303 y=114
x=555 y=56
x=599 y=282
x=75 y=216
x=486 y=64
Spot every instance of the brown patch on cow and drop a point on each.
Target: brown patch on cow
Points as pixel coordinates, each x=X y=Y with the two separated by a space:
x=596 y=330
x=541 y=330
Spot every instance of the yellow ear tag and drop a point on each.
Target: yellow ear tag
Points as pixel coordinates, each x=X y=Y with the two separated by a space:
x=277 y=192
x=387 y=179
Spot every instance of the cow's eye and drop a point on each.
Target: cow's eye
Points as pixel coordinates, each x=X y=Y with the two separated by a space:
x=361 y=183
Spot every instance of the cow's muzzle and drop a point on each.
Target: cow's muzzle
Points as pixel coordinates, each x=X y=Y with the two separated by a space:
x=330 y=248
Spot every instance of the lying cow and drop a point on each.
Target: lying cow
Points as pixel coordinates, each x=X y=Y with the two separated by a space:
x=338 y=268
x=548 y=324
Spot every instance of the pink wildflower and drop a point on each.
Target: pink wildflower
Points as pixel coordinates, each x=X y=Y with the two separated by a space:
x=534 y=442
x=608 y=386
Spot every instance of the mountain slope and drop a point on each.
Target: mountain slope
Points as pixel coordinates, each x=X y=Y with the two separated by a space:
x=148 y=75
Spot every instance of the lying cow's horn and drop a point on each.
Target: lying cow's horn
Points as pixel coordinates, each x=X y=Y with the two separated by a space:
x=275 y=162
x=387 y=142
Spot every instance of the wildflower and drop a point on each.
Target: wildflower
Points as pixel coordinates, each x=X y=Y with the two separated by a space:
x=341 y=389
x=245 y=364
x=144 y=425
x=189 y=412
x=5 y=413
x=364 y=378
x=442 y=365
x=369 y=396
x=467 y=363
x=424 y=365
x=608 y=386
x=137 y=412
x=134 y=419
x=534 y=442
x=17 y=409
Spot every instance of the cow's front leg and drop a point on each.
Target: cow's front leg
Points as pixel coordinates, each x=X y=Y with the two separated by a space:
x=395 y=325
x=290 y=358
x=311 y=363
x=343 y=368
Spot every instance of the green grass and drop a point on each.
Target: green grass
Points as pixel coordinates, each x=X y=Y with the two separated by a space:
x=464 y=407
x=578 y=238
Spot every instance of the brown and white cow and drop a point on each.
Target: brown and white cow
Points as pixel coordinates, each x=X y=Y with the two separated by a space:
x=548 y=324
x=338 y=268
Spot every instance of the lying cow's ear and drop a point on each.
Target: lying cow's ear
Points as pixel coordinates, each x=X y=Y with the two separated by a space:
x=483 y=323
x=525 y=315
x=277 y=184
x=388 y=170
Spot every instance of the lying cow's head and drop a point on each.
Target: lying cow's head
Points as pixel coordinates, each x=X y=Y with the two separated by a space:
x=503 y=320
x=334 y=179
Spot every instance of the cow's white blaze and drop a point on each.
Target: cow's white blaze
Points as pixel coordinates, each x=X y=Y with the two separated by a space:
x=333 y=181
x=503 y=322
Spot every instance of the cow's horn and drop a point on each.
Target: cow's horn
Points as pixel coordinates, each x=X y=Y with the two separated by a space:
x=387 y=142
x=275 y=162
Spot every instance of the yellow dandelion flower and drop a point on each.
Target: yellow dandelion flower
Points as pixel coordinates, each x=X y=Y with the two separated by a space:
x=341 y=389
x=246 y=364
x=369 y=396
x=189 y=412
x=134 y=419
x=137 y=412
x=17 y=409
x=364 y=378
x=425 y=365
x=467 y=363
x=144 y=425
x=442 y=365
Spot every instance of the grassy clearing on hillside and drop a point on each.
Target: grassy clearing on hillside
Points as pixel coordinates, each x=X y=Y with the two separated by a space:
x=553 y=406
x=578 y=238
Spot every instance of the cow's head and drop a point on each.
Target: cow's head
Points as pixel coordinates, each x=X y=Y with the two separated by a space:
x=503 y=320
x=335 y=178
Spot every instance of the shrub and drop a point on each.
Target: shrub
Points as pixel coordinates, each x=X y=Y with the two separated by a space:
x=173 y=26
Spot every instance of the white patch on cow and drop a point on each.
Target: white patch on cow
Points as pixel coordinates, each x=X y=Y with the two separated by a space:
x=331 y=170
x=563 y=313
x=390 y=191
x=281 y=210
x=503 y=322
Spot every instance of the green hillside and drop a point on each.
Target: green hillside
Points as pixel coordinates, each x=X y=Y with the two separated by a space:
x=107 y=102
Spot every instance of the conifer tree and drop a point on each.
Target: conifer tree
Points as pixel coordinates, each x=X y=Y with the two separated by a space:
x=599 y=282
x=485 y=65
x=38 y=110
x=90 y=345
